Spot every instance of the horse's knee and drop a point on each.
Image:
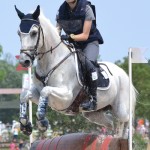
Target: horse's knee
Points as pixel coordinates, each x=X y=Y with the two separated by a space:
x=25 y=96
x=45 y=92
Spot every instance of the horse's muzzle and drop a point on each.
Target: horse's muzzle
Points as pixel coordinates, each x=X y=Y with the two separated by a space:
x=25 y=63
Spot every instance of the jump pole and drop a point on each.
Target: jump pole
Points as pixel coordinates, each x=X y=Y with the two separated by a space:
x=136 y=55
x=19 y=68
x=30 y=103
x=81 y=141
x=130 y=99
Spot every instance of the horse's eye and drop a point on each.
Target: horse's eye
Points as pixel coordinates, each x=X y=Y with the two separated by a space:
x=33 y=33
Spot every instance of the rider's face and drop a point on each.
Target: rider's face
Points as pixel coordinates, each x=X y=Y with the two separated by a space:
x=71 y=3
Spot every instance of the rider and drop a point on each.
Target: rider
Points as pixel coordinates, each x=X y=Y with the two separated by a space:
x=77 y=19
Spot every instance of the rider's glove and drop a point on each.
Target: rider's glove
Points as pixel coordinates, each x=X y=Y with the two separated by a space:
x=67 y=38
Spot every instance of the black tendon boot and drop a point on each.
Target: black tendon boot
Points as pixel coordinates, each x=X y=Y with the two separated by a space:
x=91 y=103
x=41 y=112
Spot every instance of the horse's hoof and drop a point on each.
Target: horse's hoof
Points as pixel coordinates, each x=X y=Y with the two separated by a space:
x=26 y=129
x=42 y=124
x=23 y=121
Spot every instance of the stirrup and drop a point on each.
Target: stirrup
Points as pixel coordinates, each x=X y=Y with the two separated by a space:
x=89 y=106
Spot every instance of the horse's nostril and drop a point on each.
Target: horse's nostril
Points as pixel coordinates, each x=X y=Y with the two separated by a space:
x=27 y=63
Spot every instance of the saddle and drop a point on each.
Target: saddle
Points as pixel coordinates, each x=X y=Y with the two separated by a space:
x=103 y=84
x=103 y=79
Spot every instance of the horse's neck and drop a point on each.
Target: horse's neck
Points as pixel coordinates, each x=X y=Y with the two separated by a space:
x=52 y=58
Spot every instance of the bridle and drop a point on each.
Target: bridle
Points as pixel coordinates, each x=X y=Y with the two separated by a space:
x=43 y=79
x=33 y=49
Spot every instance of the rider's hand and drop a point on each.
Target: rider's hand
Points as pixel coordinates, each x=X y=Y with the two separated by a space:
x=67 y=38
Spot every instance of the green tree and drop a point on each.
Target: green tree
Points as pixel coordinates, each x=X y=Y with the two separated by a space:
x=9 y=78
x=141 y=81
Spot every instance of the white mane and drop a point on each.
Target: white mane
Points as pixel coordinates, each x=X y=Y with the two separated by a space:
x=49 y=29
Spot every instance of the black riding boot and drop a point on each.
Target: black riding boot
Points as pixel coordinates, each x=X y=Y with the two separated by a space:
x=91 y=103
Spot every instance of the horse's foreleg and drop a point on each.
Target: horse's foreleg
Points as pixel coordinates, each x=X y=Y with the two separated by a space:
x=59 y=93
x=62 y=98
x=25 y=96
x=42 y=121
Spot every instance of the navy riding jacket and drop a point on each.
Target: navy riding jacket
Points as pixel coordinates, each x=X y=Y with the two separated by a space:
x=72 y=21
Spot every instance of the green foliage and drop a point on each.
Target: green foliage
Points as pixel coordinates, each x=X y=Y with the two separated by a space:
x=9 y=78
x=141 y=81
x=9 y=115
x=23 y=136
x=139 y=143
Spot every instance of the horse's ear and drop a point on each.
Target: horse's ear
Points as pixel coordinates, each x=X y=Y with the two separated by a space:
x=36 y=13
x=20 y=14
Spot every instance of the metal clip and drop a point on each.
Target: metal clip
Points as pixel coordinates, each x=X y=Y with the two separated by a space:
x=46 y=80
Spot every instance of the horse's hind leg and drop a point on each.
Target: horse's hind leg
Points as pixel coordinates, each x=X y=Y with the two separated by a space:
x=126 y=130
x=121 y=110
x=119 y=128
x=100 y=117
x=24 y=98
x=122 y=115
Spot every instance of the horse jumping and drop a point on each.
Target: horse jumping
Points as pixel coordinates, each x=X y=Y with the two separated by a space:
x=56 y=80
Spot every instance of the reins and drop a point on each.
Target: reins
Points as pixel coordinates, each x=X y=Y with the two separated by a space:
x=44 y=79
x=51 y=50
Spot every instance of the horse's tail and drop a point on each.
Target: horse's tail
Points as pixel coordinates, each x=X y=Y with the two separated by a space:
x=125 y=87
x=134 y=98
x=134 y=91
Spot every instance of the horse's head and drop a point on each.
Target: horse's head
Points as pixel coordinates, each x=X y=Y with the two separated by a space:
x=29 y=33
